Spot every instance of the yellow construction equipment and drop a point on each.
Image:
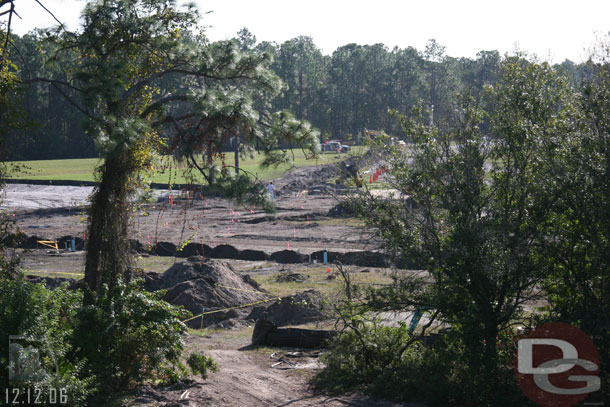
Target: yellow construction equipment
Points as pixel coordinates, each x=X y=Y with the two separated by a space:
x=49 y=243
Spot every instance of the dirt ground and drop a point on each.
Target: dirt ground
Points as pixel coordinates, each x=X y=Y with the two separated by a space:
x=247 y=378
x=300 y=223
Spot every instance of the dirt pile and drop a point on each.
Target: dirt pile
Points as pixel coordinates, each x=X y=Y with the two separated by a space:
x=308 y=178
x=291 y=278
x=300 y=308
x=288 y=257
x=342 y=210
x=213 y=284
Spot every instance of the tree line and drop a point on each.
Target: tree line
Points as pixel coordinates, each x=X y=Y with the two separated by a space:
x=340 y=94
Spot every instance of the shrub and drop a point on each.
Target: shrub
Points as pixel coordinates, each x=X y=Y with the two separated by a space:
x=201 y=364
x=45 y=320
x=129 y=336
x=379 y=360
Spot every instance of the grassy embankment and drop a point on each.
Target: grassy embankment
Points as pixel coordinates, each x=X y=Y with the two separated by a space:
x=82 y=169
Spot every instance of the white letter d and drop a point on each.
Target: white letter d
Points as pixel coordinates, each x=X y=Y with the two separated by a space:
x=525 y=356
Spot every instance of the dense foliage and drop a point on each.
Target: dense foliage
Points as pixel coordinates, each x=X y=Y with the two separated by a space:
x=45 y=320
x=503 y=207
x=129 y=335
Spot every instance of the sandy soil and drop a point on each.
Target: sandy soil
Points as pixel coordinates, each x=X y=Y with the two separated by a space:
x=246 y=378
x=24 y=196
x=300 y=224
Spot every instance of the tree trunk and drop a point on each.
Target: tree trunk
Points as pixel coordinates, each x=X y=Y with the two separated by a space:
x=107 y=239
x=210 y=163
x=236 y=149
x=491 y=354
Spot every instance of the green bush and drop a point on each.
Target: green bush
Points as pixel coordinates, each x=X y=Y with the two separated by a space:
x=45 y=320
x=244 y=191
x=467 y=380
x=378 y=360
x=383 y=361
x=129 y=336
x=201 y=364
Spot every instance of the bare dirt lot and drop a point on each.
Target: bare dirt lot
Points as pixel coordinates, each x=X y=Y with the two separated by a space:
x=301 y=222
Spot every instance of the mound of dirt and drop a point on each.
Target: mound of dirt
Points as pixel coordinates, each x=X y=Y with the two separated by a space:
x=341 y=210
x=253 y=255
x=365 y=259
x=195 y=249
x=164 y=249
x=288 y=257
x=307 y=178
x=224 y=251
x=300 y=308
x=291 y=278
x=213 y=284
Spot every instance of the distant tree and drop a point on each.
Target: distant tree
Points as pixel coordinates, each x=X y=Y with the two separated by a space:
x=246 y=39
x=478 y=73
x=360 y=78
x=442 y=75
x=407 y=79
x=302 y=68
x=571 y=71
x=54 y=127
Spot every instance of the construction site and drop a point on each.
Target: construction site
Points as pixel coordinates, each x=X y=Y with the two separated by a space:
x=260 y=286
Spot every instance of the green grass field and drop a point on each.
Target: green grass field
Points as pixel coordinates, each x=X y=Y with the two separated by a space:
x=82 y=169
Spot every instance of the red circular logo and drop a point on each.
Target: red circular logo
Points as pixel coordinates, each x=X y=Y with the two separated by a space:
x=557 y=365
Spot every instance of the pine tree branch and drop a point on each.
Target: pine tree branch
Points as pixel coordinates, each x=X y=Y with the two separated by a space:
x=55 y=82
x=194 y=162
x=52 y=15
x=159 y=75
x=172 y=119
x=8 y=31
x=72 y=102
x=160 y=102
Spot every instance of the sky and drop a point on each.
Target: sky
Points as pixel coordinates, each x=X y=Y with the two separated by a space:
x=554 y=30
